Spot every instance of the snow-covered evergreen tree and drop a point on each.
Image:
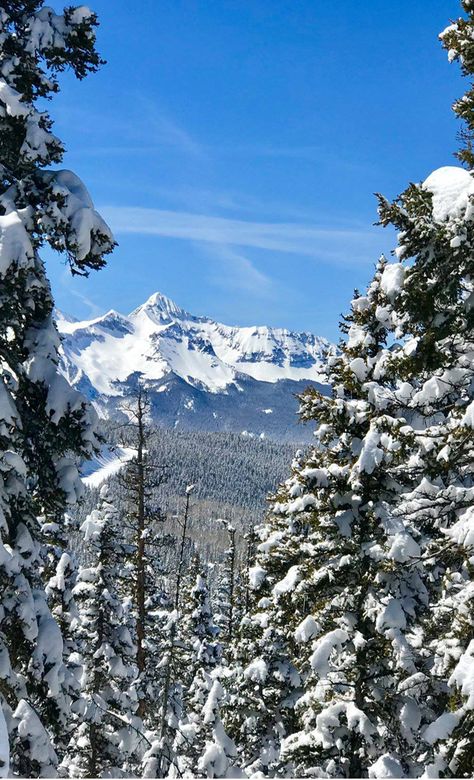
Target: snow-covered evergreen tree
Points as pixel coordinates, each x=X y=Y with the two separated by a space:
x=199 y=628
x=60 y=575
x=343 y=587
x=174 y=667
x=226 y=611
x=219 y=758
x=209 y=752
x=457 y=40
x=263 y=682
x=151 y=603
x=108 y=736
x=44 y=424
x=390 y=687
x=436 y=225
x=201 y=655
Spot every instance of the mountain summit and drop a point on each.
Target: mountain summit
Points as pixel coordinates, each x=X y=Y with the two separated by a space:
x=201 y=374
x=162 y=308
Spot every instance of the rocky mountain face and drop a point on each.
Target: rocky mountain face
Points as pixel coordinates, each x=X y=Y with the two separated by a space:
x=200 y=374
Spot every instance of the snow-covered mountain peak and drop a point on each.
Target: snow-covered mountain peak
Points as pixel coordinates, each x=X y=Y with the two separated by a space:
x=186 y=361
x=111 y=321
x=61 y=316
x=159 y=308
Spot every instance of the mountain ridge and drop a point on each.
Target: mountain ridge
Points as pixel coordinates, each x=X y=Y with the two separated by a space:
x=200 y=373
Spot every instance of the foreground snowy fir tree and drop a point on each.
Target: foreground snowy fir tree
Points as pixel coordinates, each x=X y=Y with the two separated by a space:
x=339 y=580
x=201 y=657
x=45 y=426
x=108 y=735
x=436 y=225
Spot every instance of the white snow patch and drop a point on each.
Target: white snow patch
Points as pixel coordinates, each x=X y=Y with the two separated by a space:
x=307 y=629
x=391 y=616
x=462 y=532
x=441 y=728
x=387 y=765
x=323 y=649
x=359 y=368
x=256 y=576
x=392 y=278
x=257 y=671
x=371 y=454
x=403 y=547
x=328 y=721
x=451 y=188
x=108 y=463
x=288 y=582
x=463 y=675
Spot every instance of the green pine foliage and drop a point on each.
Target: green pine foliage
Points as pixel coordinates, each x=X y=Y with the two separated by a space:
x=45 y=426
x=336 y=586
x=107 y=738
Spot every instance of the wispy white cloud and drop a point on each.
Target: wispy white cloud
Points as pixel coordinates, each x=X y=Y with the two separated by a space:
x=306 y=153
x=168 y=132
x=166 y=136
x=238 y=271
x=328 y=244
x=212 y=200
x=69 y=283
x=149 y=129
x=309 y=152
x=221 y=223
x=163 y=130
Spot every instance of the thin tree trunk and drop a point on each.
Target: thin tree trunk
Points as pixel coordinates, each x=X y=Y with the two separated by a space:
x=141 y=569
x=230 y=628
x=181 y=550
x=250 y=546
x=169 y=665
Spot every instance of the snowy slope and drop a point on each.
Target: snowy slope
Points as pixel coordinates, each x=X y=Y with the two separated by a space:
x=106 y=464
x=194 y=367
x=159 y=337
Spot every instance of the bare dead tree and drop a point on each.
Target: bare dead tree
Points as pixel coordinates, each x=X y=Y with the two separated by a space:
x=165 y=758
x=250 y=538
x=230 y=557
x=138 y=480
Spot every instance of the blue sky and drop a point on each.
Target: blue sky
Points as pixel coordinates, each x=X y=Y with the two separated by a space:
x=234 y=147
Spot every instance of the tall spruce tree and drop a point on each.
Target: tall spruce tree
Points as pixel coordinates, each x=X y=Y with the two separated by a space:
x=220 y=756
x=171 y=697
x=44 y=424
x=175 y=669
x=436 y=366
x=226 y=607
x=108 y=738
x=436 y=237
x=263 y=682
x=60 y=575
x=142 y=519
x=202 y=654
x=341 y=576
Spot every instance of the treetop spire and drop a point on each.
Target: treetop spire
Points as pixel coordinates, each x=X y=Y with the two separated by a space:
x=458 y=40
